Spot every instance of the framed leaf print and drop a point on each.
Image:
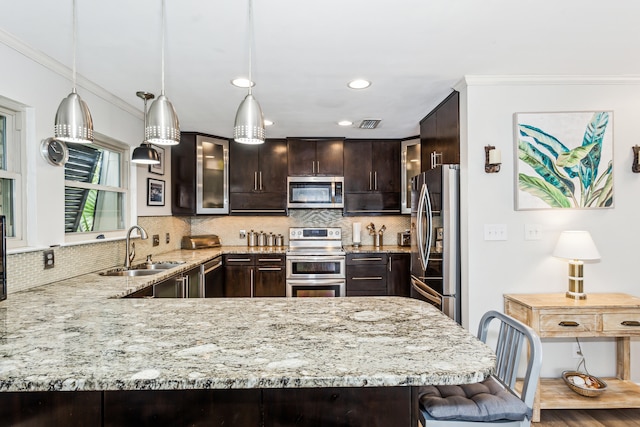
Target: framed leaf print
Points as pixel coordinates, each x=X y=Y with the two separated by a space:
x=565 y=160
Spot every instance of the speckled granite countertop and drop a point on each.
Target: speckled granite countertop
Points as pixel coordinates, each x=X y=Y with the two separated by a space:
x=73 y=335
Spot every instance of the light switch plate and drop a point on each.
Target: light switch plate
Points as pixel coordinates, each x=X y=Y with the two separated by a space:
x=495 y=232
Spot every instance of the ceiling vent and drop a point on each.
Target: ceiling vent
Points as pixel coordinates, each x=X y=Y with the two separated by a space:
x=369 y=123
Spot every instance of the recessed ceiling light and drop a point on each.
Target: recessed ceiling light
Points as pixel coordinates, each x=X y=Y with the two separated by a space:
x=359 y=84
x=345 y=122
x=268 y=122
x=242 y=82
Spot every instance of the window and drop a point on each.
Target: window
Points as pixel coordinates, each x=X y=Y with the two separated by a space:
x=10 y=172
x=95 y=191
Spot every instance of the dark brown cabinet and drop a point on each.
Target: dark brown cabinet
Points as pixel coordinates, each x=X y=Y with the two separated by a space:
x=440 y=134
x=199 y=175
x=315 y=156
x=258 y=178
x=254 y=275
x=366 y=274
x=399 y=275
x=372 y=176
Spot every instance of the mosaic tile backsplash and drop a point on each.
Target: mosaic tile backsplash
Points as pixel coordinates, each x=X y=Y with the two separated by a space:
x=26 y=270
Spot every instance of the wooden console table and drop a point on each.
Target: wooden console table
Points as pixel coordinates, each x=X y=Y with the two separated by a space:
x=600 y=315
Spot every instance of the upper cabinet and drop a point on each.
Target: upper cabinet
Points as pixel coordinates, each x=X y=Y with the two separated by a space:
x=315 y=156
x=372 y=176
x=440 y=134
x=410 y=160
x=258 y=178
x=200 y=175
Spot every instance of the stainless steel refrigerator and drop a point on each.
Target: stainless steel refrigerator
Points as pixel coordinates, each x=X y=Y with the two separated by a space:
x=435 y=238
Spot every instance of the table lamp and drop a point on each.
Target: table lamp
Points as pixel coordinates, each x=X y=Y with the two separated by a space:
x=576 y=246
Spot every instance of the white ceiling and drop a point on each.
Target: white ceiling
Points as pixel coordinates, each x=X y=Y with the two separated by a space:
x=306 y=51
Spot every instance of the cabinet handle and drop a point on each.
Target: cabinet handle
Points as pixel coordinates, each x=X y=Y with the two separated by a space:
x=270 y=268
x=569 y=323
x=255 y=181
x=367 y=278
x=260 y=180
x=370 y=180
x=375 y=180
x=269 y=260
x=313 y=166
x=630 y=323
x=238 y=259
x=318 y=167
x=251 y=290
x=389 y=261
x=367 y=259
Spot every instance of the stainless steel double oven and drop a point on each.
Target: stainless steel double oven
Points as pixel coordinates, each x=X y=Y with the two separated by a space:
x=315 y=263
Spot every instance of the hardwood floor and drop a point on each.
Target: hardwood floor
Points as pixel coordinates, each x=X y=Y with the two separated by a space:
x=589 y=418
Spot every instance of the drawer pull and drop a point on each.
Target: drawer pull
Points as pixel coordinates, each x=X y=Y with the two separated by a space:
x=569 y=323
x=367 y=278
x=630 y=323
x=269 y=260
x=238 y=259
x=367 y=259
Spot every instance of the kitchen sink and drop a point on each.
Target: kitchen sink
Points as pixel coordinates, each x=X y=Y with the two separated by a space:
x=160 y=265
x=136 y=272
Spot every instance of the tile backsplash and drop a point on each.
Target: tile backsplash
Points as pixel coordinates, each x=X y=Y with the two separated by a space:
x=25 y=270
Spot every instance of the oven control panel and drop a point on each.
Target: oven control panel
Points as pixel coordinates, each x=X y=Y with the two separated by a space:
x=321 y=233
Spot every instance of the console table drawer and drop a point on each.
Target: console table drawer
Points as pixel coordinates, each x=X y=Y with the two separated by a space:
x=568 y=323
x=621 y=323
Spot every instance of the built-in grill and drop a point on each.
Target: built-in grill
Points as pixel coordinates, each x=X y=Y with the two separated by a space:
x=315 y=262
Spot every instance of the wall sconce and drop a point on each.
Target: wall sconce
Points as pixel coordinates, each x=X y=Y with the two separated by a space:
x=492 y=159
x=635 y=167
x=576 y=246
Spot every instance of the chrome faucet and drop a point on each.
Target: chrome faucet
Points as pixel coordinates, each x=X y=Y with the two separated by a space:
x=131 y=247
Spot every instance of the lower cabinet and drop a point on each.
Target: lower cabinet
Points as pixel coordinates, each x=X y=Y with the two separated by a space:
x=254 y=275
x=366 y=274
x=347 y=406
x=399 y=275
x=378 y=274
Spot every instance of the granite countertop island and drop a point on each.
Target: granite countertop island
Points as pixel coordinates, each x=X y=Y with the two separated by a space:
x=76 y=335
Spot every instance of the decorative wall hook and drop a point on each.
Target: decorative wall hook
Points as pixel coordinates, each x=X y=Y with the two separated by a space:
x=635 y=167
x=492 y=159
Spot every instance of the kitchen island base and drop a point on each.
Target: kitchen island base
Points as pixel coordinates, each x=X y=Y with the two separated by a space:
x=349 y=406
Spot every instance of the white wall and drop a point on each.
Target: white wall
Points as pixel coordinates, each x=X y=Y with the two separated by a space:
x=516 y=265
x=35 y=84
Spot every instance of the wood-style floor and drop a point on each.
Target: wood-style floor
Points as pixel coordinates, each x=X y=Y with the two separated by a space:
x=589 y=418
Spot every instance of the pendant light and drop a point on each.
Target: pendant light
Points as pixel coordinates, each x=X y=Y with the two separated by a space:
x=163 y=127
x=145 y=154
x=249 y=124
x=73 y=121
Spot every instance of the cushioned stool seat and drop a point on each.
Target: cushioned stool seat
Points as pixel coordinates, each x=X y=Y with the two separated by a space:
x=484 y=401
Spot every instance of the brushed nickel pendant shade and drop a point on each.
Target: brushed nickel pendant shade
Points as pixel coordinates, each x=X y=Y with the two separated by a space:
x=163 y=126
x=145 y=154
x=73 y=122
x=249 y=123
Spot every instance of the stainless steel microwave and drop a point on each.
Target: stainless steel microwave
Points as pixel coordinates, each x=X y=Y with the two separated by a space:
x=315 y=192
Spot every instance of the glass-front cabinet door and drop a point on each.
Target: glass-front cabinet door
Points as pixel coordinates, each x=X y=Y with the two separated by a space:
x=212 y=180
x=410 y=168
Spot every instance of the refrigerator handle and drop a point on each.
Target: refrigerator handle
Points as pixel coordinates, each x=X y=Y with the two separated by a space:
x=429 y=214
x=419 y=230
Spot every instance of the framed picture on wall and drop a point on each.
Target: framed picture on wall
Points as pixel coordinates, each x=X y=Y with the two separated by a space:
x=564 y=160
x=155 y=192
x=159 y=168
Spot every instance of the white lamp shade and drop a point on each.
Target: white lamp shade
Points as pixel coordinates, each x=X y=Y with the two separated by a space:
x=249 y=123
x=576 y=245
x=163 y=127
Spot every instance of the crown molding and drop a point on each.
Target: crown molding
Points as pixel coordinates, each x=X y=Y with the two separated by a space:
x=492 y=80
x=57 y=67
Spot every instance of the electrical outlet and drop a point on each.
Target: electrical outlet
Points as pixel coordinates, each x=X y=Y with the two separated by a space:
x=49 y=259
x=575 y=351
x=243 y=234
x=167 y=238
x=156 y=239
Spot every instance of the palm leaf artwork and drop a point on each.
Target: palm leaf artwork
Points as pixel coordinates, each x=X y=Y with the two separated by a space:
x=566 y=177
